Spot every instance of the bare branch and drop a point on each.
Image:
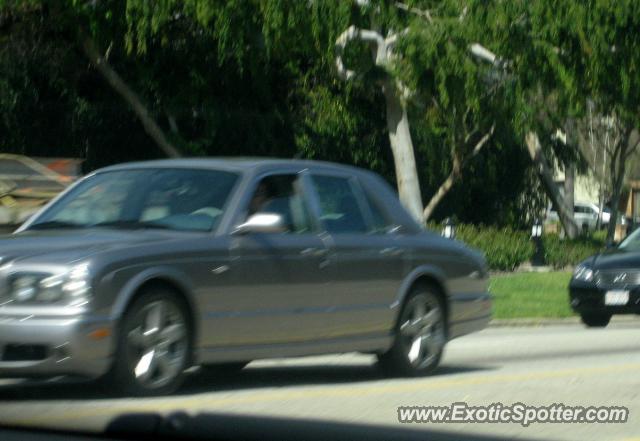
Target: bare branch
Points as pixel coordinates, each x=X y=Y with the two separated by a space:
x=483 y=141
x=479 y=145
x=353 y=33
x=417 y=11
x=392 y=38
x=485 y=54
x=118 y=84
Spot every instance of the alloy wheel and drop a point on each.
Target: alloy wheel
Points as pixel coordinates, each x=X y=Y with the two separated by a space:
x=157 y=344
x=422 y=330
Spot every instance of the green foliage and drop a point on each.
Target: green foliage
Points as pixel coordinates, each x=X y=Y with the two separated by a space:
x=563 y=253
x=504 y=248
x=257 y=77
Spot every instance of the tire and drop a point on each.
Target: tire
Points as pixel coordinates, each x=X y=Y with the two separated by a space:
x=595 y=320
x=419 y=335
x=154 y=345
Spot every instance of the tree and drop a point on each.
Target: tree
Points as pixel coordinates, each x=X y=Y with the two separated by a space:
x=457 y=83
x=396 y=94
x=616 y=142
x=428 y=59
x=539 y=42
x=601 y=144
x=610 y=47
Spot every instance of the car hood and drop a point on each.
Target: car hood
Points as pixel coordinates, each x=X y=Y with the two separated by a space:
x=616 y=259
x=72 y=245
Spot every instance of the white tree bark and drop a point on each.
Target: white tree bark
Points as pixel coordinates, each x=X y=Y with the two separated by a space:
x=546 y=176
x=403 y=153
x=397 y=119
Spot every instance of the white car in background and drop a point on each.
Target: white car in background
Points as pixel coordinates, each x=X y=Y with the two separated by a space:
x=585 y=214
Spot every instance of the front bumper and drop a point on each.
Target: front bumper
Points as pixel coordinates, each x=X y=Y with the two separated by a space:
x=589 y=298
x=45 y=346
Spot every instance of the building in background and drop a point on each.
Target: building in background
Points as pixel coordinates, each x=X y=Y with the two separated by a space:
x=28 y=183
x=631 y=202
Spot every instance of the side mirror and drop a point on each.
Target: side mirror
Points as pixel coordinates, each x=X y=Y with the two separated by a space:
x=262 y=223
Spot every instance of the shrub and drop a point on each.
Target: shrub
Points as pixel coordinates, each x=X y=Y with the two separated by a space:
x=560 y=253
x=505 y=249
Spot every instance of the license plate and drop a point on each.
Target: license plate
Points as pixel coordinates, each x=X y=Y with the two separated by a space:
x=617 y=297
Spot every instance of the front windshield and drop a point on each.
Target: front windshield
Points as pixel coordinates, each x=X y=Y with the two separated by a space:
x=177 y=199
x=632 y=242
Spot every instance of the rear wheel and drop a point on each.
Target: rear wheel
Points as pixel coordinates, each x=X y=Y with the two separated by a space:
x=154 y=345
x=420 y=335
x=595 y=320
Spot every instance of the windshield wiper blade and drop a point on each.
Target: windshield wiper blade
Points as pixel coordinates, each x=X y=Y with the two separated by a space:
x=129 y=225
x=51 y=225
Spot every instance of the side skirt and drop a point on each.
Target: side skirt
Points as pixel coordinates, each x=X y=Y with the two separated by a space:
x=367 y=343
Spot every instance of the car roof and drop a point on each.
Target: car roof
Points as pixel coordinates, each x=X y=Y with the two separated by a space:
x=240 y=164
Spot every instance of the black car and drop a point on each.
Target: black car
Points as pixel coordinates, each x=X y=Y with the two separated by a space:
x=608 y=283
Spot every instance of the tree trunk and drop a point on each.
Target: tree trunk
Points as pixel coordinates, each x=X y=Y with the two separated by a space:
x=600 y=208
x=403 y=155
x=546 y=176
x=440 y=194
x=569 y=199
x=618 y=169
x=141 y=111
x=458 y=164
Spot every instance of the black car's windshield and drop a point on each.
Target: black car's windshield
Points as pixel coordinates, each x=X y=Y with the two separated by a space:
x=178 y=199
x=631 y=243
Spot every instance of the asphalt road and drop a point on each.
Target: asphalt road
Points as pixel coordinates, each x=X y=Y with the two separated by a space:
x=535 y=366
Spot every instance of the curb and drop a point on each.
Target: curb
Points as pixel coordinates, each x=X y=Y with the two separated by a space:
x=541 y=321
x=533 y=322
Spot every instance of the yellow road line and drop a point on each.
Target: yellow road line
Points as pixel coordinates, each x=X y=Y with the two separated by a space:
x=187 y=403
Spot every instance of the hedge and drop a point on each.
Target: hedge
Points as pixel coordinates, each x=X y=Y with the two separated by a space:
x=560 y=253
x=506 y=249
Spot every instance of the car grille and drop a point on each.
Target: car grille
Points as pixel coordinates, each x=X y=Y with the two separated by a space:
x=618 y=277
x=13 y=352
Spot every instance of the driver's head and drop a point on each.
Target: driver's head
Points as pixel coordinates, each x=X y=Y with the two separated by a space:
x=260 y=197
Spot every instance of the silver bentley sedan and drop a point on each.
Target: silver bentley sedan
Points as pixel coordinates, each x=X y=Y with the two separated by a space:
x=140 y=271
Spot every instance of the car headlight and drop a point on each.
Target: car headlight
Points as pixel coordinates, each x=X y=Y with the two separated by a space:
x=70 y=288
x=583 y=273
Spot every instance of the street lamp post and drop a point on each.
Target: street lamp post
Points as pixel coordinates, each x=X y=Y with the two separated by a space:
x=449 y=230
x=536 y=236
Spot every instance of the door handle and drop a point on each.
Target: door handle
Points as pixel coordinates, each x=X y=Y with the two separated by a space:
x=391 y=251
x=316 y=252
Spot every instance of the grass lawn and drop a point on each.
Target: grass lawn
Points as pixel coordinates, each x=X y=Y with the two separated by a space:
x=522 y=295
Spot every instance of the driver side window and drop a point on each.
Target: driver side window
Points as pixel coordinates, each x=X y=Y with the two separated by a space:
x=282 y=194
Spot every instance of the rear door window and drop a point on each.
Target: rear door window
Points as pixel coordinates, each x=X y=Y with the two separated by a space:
x=340 y=209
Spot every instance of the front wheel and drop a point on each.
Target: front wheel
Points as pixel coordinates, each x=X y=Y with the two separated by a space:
x=154 y=345
x=595 y=320
x=420 y=336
